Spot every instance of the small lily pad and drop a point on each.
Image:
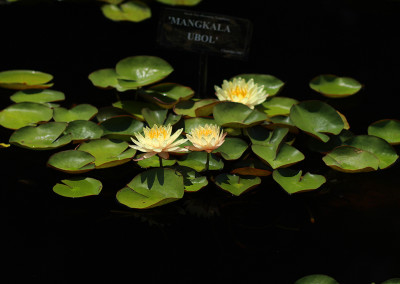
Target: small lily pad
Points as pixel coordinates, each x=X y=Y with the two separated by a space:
x=316 y=279
x=154 y=162
x=135 y=108
x=134 y=11
x=192 y=180
x=388 y=129
x=105 y=113
x=37 y=96
x=105 y=78
x=79 y=112
x=232 y=148
x=23 y=114
x=84 y=130
x=286 y=155
x=277 y=106
x=25 y=79
x=236 y=184
x=72 y=161
x=292 y=181
x=167 y=95
x=333 y=86
x=195 y=107
x=78 y=187
x=392 y=281
x=154 y=116
x=121 y=127
x=154 y=187
x=272 y=85
x=197 y=161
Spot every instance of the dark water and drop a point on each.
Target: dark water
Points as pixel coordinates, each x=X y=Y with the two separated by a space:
x=348 y=230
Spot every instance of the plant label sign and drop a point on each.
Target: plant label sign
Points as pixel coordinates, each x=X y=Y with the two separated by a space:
x=205 y=33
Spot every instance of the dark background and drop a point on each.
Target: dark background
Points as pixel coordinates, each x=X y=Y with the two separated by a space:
x=264 y=237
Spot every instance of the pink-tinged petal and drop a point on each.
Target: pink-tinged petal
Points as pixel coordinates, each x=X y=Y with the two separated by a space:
x=164 y=155
x=145 y=156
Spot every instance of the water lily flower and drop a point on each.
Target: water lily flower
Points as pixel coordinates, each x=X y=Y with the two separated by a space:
x=206 y=138
x=158 y=141
x=240 y=91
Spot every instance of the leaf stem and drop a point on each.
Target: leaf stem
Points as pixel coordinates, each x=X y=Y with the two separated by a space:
x=208 y=161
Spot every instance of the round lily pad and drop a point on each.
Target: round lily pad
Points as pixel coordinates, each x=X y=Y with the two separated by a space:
x=25 y=79
x=105 y=113
x=134 y=11
x=333 y=86
x=192 y=180
x=317 y=119
x=23 y=114
x=105 y=78
x=154 y=116
x=79 y=112
x=316 y=279
x=135 y=108
x=195 y=107
x=37 y=96
x=72 y=161
x=78 y=187
x=277 y=106
x=388 y=129
x=154 y=187
x=272 y=85
x=292 y=181
x=42 y=137
x=198 y=160
x=236 y=184
x=121 y=127
x=232 y=148
x=154 y=162
x=166 y=95
x=392 y=281
x=286 y=155
x=84 y=130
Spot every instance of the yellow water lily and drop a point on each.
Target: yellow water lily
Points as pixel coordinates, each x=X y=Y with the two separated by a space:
x=240 y=91
x=158 y=141
x=206 y=138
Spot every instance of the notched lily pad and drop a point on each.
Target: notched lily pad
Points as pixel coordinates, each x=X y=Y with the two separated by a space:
x=121 y=127
x=333 y=86
x=154 y=162
x=195 y=107
x=23 y=114
x=232 y=148
x=78 y=187
x=37 y=96
x=84 y=130
x=277 y=106
x=388 y=129
x=192 y=180
x=197 y=161
x=167 y=95
x=79 y=112
x=292 y=181
x=135 y=108
x=272 y=85
x=134 y=11
x=236 y=184
x=72 y=161
x=25 y=79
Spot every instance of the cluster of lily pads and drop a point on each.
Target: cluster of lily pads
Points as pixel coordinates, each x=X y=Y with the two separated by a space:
x=259 y=140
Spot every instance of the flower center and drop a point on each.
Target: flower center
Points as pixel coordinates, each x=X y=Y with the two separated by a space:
x=238 y=92
x=158 y=133
x=205 y=132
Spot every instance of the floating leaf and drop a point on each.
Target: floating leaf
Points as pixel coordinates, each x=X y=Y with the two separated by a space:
x=43 y=137
x=316 y=279
x=335 y=141
x=25 y=79
x=154 y=187
x=388 y=129
x=84 y=130
x=292 y=181
x=78 y=187
x=134 y=11
x=166 y=95
x=317 y=119
x=105 y=113
x=272 y=85
x=277 y=106
x=72 y=161
x=377 y=146
x=287 y=155
x=198 y=160
x=154 y=116
x=231 y=114
x=192 y=180
x=154 y=162
x=351 y=160
x=79 y=112
x=232 y=148
x=392 y=281
x=259 y=135
x=37 y=96
x=235 y=184
x=105 y=78
x=335 y=87
x=191 y=107
x=135 y=108
x=121 y=127
x=180 y=2
x=108 y=153
x=23 y=114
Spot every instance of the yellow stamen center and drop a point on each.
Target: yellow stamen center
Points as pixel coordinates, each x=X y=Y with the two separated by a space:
x=238 y=92
x=156 y=133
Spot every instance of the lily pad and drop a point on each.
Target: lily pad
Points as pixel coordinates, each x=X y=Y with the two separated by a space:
x=192 y=180
x=232 y=148
x=78 y=187
x=167 y=95
x=231 y=114
x=79 y=112
x=84 y=130
x=388 y=129
x=392 y=281
x=198 y=160
x=277 y=106
x=317 y=119
x=105 y=78
x=195 y=107
x=236 y=184
x=108 y=153
x=135 y=108
x=154 y=187
x=316 y=279
x=335 y=141
x=72 y=161
x=43 y=137
x=154 y=162
x=350 y=159
x=134 y=11
x=143 y=70
x=105 y=113
x=377 y=146
x=286 y=155
x=333 y=86
x=23 y=114
x=25 y=79
x=292 y=181
x=37 y=96
x=259 y=135
x=272 y=85
x=154 y=116
x=180 y=2
x=121 y=127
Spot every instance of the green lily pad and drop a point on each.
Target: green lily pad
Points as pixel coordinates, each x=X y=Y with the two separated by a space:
x=195 y=107
x=43 y=137
x=105 y=78
x=231 y=114
x=105 y=113
x=272 y=85
x=167 y=95
x=78 y=187
x=79 y=112
x=392 y=281
x=235 y=184
x=316 y=279
x=232 y=148
x=25 y=79
x=108 y=153
x=335 y=141
x=292 y=181
x=281 y=121
x=180 y=2
x=23 y=114
x=286 y=155
x=317 y=119
x=377 y=146
x=143 y=70
x=277 y=106
x=260 y=135
x=191 y=123
x=135 y=108
x=154 y=162
x=388 y=129
x=192 y=180
x=350 y=159
x=72 y=161
x=172 y=119
x=154 y=116
x=198 y=160
x=134 y=11
x=37 y=96
x=154 y=187
x=84 y=130
x=121 y=127
x=333 y=86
